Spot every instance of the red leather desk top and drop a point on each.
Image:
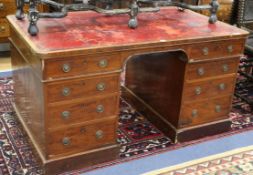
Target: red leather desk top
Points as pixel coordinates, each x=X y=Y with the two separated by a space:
x=89 y=30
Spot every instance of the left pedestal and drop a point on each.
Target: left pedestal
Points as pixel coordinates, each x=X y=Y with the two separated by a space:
x=72 y=121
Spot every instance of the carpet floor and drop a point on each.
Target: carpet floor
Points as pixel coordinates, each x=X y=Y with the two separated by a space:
x=136 y=135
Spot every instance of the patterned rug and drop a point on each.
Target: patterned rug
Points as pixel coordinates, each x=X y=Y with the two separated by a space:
x=236 y=162
x=137 y=136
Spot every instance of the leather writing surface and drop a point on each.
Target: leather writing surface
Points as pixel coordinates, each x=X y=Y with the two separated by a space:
x=91 y=30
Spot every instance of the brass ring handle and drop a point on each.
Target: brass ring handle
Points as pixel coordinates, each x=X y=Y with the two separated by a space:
x=101 y=86
x=65 y=91
x=99 y=134
x=205 y=51
x=198 y=90
x=230 y=48
x=1 y=6
x=66 y=141
x=218 y=108
x=2 y=28
x=222 y=86
x=100 y=108
x=201 y=71
x=103 y=63
x=66 y=67
x=65 y=115
x=194 y=113
x=225 y=67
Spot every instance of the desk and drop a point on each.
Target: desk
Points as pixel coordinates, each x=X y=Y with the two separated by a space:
x=180 y=71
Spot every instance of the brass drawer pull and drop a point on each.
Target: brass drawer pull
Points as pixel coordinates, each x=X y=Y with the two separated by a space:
x=194 y=113
x=66 y=141
x=100 y=108
x=1 y=6
x=103 y=63
x=201 y=71
x=205 y=51
x=101 y=86
x=66 y=68
x=230 y=49
x=218 y=108
x=99 y=134
x=2 y=28
x=225 y=67
x=65 y=115
x=222 y=86
x=198 y=90
x=65 y=91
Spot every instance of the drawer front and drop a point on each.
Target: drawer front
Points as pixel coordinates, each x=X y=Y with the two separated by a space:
x=7 y=7
x=216 y=49
x=83 y=111
x=209 y=69
x=83 y=137
x=4 y=28
x=84 y=65
x=82 y=88
x=209 y=88
x=205 y=111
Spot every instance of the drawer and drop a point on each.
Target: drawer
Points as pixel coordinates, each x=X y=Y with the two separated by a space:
x=82 y=137
x=7 y=7
x=216 y=49
x=82 y=111
x=82 y=88
x=4 y=28
x=205 y=111
x=81 y=65
x=209 y=88
x=210 y=69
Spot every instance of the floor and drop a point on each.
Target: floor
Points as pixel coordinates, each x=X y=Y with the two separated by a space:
x=5 y=63
x=178 y=156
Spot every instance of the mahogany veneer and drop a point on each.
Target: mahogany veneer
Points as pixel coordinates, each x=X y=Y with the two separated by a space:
x=180 y=72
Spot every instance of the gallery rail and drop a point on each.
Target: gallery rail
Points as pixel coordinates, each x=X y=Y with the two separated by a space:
x=134 y=9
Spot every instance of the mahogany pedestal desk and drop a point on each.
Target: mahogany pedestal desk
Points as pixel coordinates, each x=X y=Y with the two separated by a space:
x=180 y=71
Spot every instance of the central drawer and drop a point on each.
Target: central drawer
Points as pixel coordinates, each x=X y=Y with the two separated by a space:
x=82 y=137
x=82 y=111
x=82 y=88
